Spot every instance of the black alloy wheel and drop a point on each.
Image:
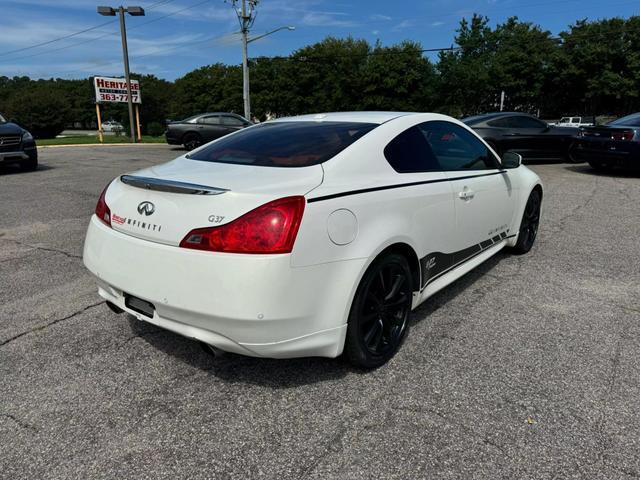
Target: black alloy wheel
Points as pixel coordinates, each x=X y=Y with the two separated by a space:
x=191 y=141
x=529 y=224
x=379 y=315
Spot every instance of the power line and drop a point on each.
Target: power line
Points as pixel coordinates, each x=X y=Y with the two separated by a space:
x=189 y=44
x=306 y=58
x=75 y=34
x=116 y=64
x=133 y=27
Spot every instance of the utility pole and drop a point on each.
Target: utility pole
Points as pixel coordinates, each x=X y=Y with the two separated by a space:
x=246 y=16
x=136 y=12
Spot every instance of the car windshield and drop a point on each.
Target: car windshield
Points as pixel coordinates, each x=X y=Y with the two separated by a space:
x=284 y=144
x=629 y=121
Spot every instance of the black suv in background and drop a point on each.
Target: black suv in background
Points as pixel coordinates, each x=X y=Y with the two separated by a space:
x=200 y=129
x=17 y=146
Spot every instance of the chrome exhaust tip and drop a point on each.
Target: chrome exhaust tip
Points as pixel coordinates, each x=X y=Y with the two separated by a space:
x=211 y=350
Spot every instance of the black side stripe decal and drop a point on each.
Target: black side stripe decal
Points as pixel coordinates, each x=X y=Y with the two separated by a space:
x=436 y=264
x=399 y=185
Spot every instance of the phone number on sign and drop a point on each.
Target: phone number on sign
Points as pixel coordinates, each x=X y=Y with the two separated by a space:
x=116 y=97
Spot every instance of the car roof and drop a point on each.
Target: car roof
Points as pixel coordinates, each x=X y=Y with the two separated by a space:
x=215 y=113
x=477 y=119
x=355 y=117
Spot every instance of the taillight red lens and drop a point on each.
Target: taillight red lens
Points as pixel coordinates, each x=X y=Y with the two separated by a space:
x=102 y=209
x=271 y=228
x=626 y=135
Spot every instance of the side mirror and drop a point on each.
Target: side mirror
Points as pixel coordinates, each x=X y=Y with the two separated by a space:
x=511 y=160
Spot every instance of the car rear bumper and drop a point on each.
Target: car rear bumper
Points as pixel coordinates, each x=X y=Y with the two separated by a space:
x=255 y=305
x=619 y=154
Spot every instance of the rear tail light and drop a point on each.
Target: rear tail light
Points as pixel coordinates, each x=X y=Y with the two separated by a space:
x=102 y=209
x=626 y=135
x=271 y=228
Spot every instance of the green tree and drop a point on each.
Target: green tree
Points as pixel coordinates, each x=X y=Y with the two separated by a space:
x=39 y=108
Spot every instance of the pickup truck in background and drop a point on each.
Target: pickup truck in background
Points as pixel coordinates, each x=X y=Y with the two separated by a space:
x=574 y=122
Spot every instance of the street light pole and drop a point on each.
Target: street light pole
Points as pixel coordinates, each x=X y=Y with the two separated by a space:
x=125 y=54
x=136 y=12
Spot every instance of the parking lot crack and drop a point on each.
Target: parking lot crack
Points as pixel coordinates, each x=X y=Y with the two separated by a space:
x=44 y=249
x=602 y=439
x=561 y=224
x=19 y=422
x=53 y=322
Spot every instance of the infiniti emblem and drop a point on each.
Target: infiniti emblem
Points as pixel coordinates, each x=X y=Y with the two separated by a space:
x=146 y=208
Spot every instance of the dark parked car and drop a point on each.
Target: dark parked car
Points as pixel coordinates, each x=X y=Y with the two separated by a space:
x=200 y=129
x=17 y=146
x=606 y=146
x=525 y=134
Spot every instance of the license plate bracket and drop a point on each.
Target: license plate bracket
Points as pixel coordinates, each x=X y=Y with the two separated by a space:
x=138 y=305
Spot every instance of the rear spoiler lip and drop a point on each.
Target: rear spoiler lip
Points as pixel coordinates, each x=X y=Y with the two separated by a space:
x=171 y=186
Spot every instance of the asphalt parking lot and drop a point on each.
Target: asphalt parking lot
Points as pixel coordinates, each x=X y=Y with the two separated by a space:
x=528 y=367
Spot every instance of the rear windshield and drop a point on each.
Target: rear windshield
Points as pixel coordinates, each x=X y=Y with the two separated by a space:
x=284 y=144
x=629 y=121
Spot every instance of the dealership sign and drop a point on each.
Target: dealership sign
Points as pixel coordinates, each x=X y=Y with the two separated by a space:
x=115 y=90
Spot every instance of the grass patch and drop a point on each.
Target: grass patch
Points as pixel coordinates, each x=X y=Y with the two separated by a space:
x=88 y=139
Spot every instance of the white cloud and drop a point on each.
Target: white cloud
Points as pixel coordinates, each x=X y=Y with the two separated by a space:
x=378 y=16
x=315 y=19
x=404 y=24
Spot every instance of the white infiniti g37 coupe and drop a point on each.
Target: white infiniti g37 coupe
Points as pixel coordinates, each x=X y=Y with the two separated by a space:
x=311 y=235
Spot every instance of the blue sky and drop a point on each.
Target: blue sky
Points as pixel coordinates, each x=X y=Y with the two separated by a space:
x=177 y=36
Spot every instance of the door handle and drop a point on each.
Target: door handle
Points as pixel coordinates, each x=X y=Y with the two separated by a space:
x=466 y=194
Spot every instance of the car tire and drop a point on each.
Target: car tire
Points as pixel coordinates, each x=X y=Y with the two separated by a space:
x=191 y=141
x=600 y=166
x=29 y=165
x=379 y=315
x=529 y=224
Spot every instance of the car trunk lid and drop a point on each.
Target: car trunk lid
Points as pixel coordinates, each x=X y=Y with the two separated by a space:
x=163 y=203
x=605 y=134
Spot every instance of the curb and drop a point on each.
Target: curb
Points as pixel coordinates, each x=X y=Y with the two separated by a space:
x=106 y=145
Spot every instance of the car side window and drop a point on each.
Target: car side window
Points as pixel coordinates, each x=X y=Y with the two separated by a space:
x=522 y=121
x=232 y=121
x=410 y=152
x=505 y=122
x=210 y=120
x=456 y=148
